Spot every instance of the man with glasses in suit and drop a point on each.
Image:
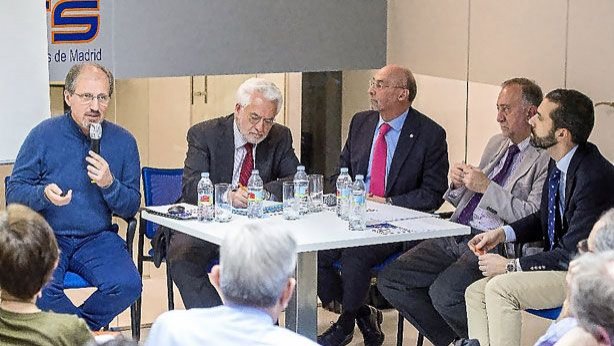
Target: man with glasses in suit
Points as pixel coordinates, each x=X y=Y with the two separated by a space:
x=229 y=148
x=403 y=156
x=427 y=284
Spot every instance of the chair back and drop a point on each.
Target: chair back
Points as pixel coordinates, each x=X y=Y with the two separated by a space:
x=161 y=186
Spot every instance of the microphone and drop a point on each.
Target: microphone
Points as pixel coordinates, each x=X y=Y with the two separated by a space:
x=95 y=135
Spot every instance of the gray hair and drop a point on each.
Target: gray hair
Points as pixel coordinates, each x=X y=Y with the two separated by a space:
x=531 y=92
x=268 y=89
x=604 y=232
x=592 y=292
x=256 y=263
x=71 y=78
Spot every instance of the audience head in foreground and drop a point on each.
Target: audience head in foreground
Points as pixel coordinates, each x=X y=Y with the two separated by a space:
x=601 y=239
x=256 y=268
x=592 y=300
x=28 y=255
x=254 y=280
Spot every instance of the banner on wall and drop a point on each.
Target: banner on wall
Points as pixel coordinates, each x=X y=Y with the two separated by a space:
x=136 y=38
x=78 y=31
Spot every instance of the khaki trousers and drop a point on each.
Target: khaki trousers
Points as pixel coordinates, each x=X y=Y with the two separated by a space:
x=494 y=304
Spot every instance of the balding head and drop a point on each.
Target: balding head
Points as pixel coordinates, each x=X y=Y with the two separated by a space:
x=392 y=91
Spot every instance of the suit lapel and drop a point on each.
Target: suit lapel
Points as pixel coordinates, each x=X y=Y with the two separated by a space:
x=410 y=133
x=524 y=165
x=364 y=146
x=497 y=157
x=264 y=156
x=226 y=148
x=570 y=179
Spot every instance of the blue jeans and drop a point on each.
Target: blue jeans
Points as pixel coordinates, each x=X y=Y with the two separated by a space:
x=103 y=260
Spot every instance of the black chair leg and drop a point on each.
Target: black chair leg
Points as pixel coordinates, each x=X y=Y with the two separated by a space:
x=135 y=322
x=169 y=288
x=420 y=339
x=400 y=330
x=169 y=279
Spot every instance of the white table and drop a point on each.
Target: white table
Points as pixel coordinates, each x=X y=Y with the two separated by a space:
x=314 y=232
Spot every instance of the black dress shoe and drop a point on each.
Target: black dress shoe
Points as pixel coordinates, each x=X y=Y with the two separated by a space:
x=370 y=327
x=467 y=342
x=334 y=336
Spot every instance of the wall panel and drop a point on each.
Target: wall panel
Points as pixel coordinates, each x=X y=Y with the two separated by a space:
x=590 y=67
x=430 y=37
x=522 y=38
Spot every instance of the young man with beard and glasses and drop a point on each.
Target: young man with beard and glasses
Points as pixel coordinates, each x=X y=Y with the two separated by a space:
x=77 y=191
x=580 y=187
x=427 y=284
x=403 y=155
x=229 y=148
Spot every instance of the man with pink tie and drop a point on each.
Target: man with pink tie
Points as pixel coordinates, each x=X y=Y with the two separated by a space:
x=404 y=157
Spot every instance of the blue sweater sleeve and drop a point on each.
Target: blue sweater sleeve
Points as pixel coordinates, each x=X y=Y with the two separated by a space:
x=25 y=186
x=123 y=196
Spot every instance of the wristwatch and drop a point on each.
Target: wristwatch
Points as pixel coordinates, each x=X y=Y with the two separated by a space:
x=510 y=267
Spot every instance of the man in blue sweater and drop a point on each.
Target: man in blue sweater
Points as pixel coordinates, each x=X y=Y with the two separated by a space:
x=77 y=191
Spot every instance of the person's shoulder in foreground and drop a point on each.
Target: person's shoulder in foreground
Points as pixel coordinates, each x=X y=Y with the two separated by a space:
x=42 y=329
x=221 y=325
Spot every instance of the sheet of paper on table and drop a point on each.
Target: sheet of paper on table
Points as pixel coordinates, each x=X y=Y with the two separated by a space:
x=378 y=213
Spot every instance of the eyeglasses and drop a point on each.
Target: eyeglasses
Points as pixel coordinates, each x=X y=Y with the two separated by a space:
x=255 y=119
x=86 y=98
x=380 y=84
x=583 y=246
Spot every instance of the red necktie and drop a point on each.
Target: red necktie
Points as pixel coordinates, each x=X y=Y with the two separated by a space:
x=378 y=166
x=247 y=166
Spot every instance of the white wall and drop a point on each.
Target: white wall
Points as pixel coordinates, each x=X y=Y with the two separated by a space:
x=24 y=90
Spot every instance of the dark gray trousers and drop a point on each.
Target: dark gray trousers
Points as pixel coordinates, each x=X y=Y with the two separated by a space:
x=188 y=260
x=427 y=285
x=351 y=286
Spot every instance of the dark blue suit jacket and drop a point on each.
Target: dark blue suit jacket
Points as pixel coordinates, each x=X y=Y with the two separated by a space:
x=589 y=191
x=419 y=168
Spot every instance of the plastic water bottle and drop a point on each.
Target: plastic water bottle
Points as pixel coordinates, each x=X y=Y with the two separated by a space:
x=344 y=190
x=358 y=206
x=205 y=198
x=255 y=192
x=301 y=185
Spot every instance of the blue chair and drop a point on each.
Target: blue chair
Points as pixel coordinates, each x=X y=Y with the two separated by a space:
x=75 y=281
x=160 y=186
x=551 y=314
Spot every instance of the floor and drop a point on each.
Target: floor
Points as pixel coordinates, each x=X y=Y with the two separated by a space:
x=154 y=303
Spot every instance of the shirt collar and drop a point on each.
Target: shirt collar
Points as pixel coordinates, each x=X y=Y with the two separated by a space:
x=239 y=139
x=563 y=163
x=522 y=145
x=248 y=310
x=396 y=123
